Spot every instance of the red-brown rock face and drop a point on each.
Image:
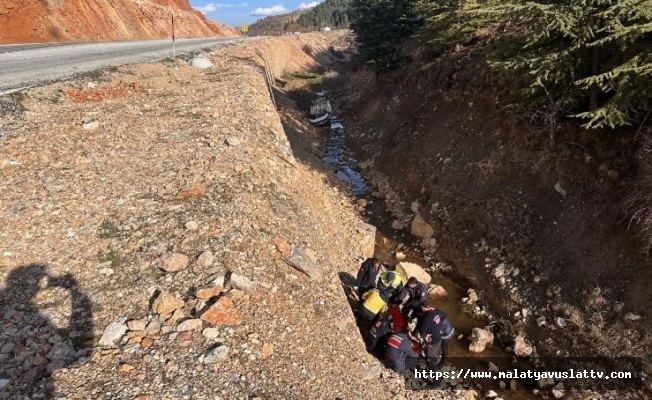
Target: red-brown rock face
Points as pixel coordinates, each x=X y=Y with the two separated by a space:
x=31 y=21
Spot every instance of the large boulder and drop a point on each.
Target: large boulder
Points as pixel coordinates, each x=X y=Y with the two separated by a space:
x=480 y=339
x=420 y=228
x=408 y=270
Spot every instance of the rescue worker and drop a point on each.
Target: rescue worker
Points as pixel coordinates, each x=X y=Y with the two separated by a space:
x=392 y=322
x=411 y=296
x=400 y=352
x=392 y=283
x=441 y=321
x=433 y=328
x=374 y=304
x=367 y=275
x=378 y=335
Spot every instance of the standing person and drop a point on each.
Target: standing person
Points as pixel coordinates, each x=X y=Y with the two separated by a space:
x=400 y=353
x=438 y=320
x=367 y=275
x=411 y=296
x=431 y=338
x=446 y=329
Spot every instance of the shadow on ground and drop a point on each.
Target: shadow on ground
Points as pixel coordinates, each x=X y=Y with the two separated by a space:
x=46 y=324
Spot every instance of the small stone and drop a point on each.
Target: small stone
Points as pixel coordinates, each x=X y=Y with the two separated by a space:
x=205 y=259
x=512 y=384
x=558 y=391
x=207 y=292
x=112 y=335
x=4 y=383
x=136 y=325
x=420 y=228
x=91 y=126
x=190 y=325
x=397 y=225
x=632 y=317
x=268 y=350
x=243 y=283
x=521 y=347
x=400 y=256
x=147 y=342
x=201 y=62
x=543 y=383
x=192 y=225
x=223 y=312
x=172 y=262
x=362 y=203
x=436 y=291
x=499 y=271
x=124 y=368
x=217 y=354
x=282 y=246
x=166 y=303
x=491 y=394
x=232 y=141
x=210 y=333
x=473 y=296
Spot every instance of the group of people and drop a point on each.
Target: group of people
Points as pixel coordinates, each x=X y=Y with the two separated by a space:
x=387 y=303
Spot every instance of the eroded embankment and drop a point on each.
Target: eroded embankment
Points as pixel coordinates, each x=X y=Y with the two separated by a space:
x=544 y=227
x=162 y=201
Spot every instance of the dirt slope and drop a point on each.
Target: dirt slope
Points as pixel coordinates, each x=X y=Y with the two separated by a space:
x=32 y=21
x=433 y=131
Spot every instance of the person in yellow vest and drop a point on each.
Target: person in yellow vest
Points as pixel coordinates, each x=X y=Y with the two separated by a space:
x=374 y=303
x=392 y=283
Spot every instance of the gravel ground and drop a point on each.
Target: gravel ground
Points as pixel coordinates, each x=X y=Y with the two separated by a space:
x=147 y=215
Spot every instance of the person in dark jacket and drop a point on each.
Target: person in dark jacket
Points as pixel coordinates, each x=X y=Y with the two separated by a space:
x=400 y=353
x=436 y=327
x=378 y=335
x=411 y=296
x=367 y=275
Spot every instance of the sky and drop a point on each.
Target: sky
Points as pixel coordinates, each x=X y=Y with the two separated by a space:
x=241 y=12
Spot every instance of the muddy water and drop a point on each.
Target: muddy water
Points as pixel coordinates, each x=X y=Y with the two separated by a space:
x=337 y=156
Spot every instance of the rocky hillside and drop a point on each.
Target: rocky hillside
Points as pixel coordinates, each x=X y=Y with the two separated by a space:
x=32 y=21
x=276 y=24
x=153 y=217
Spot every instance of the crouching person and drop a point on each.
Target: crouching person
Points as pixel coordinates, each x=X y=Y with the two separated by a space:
x=400 y=354
x=374 y=304
x=378 y=336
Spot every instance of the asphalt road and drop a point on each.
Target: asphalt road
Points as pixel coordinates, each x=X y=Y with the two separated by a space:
x=33 y=64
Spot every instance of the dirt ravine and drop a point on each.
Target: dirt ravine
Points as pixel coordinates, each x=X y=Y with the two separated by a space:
x=148 y=217
x=542 y=228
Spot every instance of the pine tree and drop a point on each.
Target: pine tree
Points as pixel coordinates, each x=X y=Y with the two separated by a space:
x=380 y=27
x=592 y=59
